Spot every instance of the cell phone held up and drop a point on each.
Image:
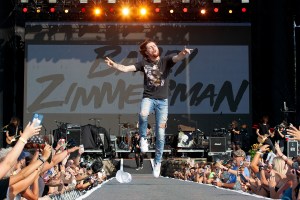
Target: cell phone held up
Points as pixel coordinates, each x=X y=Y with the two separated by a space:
x=37 y=119
x=243 y=179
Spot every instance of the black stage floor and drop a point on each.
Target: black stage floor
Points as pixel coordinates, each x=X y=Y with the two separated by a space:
x=146 y=187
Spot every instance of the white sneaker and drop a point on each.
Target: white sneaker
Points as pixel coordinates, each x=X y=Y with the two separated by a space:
x=144 y=145
x=156 y=170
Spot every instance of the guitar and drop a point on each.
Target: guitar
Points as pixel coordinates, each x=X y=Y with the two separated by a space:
x=11 y=139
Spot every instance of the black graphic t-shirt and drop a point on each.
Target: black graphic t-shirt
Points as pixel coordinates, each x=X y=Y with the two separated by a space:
x=156 y=77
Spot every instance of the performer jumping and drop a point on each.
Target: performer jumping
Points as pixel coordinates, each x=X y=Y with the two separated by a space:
x=156 y=71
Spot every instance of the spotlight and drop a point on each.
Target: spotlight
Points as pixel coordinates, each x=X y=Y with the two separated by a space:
x=111 y=10
x=157 y=10
x=66 y=10
x=230 y=11
x=52 y=9
x=143 y=11
x=97 y=11
x=83 y=10
x=171 y=11
x=156 y=1
x=216 y=1
x=203 y=11
x=38 y=10
x=125 y=11
x=244 y=10
x=25 y=10
x=245 y=1
x=111 y=1
x=216 y=10
x=185 y=1
x=24 y=1
x=52 y=1
x=185 y=10
x=83 y=1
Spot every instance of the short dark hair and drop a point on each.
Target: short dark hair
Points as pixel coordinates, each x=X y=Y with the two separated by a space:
x=97 y=166
x=143 y=48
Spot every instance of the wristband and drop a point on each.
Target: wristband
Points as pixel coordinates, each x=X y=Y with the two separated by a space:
x=41 y=159
x=23 y=140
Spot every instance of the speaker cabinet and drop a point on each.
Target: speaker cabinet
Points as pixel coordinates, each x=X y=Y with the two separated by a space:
x=217 y=144
x=74 y=135
x=292 y=148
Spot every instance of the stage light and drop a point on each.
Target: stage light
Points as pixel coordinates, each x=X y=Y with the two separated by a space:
x=245 y=1
x=111 y=1
x=24 y=1
x=97 y=11
x=185 y=1
x=171 y=11
x=66 y=10
x=25 y=10
x=52 y=9
x=38 y=10
x=156 y=1
x=83 y=10
x=52 y=1
x=143 y=11
x=83 y=1
x=203 y=11
x=185 y=10
x=230 y=11
x=216 y=10
x=157 y=10
x=244 y=10
x=216 y=1
x=125 y=11
x=111 y=10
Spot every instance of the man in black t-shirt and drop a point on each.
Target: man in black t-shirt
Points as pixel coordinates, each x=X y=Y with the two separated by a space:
x=156 y=71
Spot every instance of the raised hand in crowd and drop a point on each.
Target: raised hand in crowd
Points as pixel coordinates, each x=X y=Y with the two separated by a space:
x=11 y=158
x=293 y=131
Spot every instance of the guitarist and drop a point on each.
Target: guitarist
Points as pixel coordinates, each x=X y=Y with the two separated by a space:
x=263 y=132
x=13 y=132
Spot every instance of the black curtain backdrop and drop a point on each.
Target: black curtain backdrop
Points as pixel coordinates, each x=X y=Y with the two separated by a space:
x=273 y=67
x=273 y=70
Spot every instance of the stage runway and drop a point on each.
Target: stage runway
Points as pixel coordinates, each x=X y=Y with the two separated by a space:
x=146 y=187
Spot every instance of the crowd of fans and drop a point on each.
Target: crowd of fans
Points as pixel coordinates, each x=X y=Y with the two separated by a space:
x=44 y=171
x=269 y=174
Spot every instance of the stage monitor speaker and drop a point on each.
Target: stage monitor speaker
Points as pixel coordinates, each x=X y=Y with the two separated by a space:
x=292 y=148
x=217 y=144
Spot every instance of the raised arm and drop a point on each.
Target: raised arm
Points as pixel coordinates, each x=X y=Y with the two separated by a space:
x=13 y=155
x=120 y=67
x=181 y=55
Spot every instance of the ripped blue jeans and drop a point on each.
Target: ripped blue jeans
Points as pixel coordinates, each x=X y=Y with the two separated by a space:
x=160 y=107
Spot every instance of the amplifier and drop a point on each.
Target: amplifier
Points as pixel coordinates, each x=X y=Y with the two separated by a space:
x=292 y=148
x=217 y=144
